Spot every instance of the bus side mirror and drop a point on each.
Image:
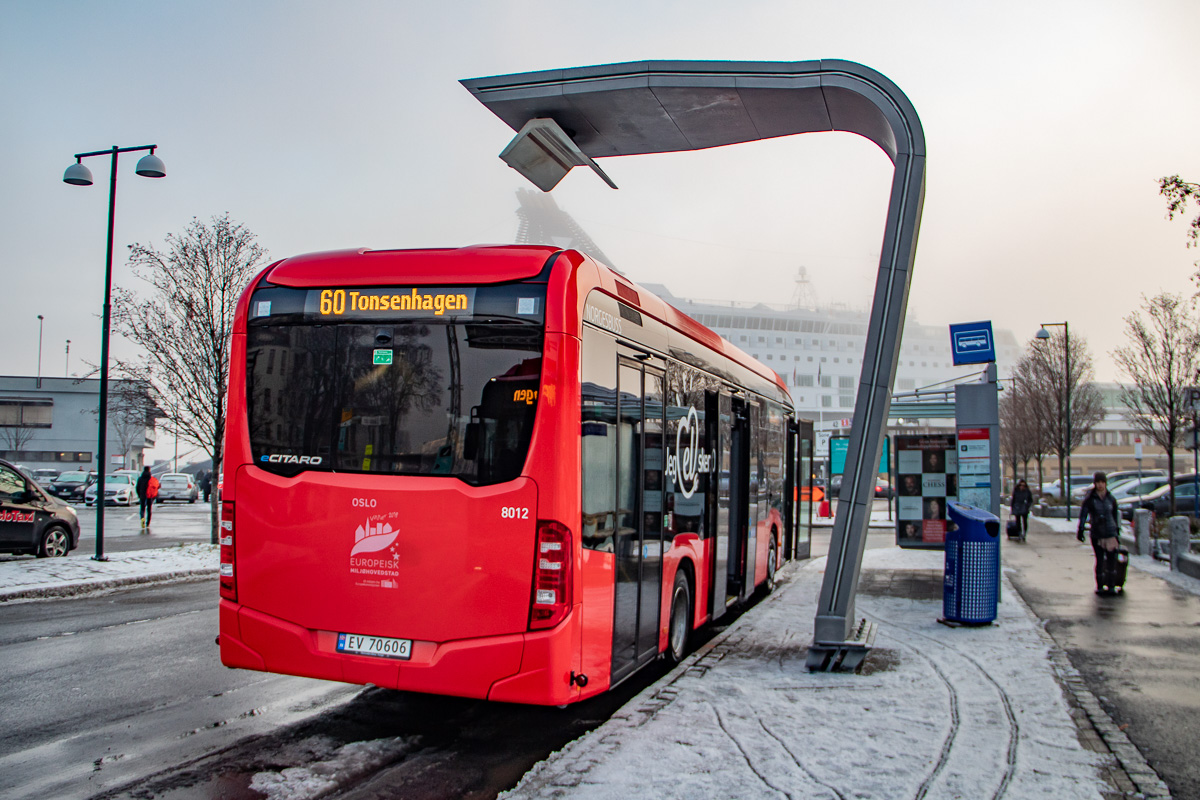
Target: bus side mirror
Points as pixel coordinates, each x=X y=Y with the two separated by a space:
x=471 y=440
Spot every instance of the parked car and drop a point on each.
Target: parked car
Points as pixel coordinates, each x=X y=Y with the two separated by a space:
x=118 y=490
x=1055 y=489
x=1123 y=476
x=883 y=489
x=1159 y=501
x=71 y=485
x=1135 y=487
x=44 y=475
x=31 y=520
x=177 y=486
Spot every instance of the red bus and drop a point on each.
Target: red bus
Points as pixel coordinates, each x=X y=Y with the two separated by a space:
x=492 y=472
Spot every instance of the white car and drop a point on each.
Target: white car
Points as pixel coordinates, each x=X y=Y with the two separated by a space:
x=118 y=490
x=177 y=486
x=1055 y=489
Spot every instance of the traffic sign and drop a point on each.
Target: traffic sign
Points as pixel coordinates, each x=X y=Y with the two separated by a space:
x=1191 y=398
x=972 y=343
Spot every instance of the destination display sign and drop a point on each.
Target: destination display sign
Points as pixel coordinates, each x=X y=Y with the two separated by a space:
x=390 y=303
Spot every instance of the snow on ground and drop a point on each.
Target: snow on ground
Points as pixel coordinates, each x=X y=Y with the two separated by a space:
x=327 y=766
x=937 y=712
x=38 y=577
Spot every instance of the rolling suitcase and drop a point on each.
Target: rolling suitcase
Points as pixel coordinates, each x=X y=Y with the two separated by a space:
x=1013 y=528
x=1113 y=577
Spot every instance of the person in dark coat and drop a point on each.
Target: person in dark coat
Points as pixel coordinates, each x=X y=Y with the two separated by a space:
x=1100 y=507
x=1022 y=501
x=145 y=501
x=206 y=485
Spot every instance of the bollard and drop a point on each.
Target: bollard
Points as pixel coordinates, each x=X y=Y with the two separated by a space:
x=1141 y=531
x=1181 y=539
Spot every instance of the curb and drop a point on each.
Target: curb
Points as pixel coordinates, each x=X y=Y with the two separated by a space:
x=1131 y=774
x=103 y=585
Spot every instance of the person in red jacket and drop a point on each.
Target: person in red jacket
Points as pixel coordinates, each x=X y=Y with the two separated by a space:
x=147 y=491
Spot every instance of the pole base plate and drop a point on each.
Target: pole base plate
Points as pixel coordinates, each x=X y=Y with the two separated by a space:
x=844 y=656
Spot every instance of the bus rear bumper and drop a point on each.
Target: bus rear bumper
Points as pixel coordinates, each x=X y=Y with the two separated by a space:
x=493 y=667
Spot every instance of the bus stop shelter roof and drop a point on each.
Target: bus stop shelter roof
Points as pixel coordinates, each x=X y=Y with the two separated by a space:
x=666 y=106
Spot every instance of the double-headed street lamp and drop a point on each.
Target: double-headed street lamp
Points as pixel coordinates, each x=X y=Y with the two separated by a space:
x=1044 y=334
x=149 y=166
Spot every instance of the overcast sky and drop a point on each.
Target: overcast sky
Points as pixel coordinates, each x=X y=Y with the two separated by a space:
x=328 y=125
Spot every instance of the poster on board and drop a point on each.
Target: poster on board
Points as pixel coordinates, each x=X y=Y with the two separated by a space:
x=926 y=477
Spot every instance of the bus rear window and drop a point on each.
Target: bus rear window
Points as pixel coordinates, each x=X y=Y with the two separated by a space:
x=450 y=394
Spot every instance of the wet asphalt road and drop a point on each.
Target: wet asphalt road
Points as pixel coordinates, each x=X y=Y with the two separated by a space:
x=99 y=691
x=1140 y=653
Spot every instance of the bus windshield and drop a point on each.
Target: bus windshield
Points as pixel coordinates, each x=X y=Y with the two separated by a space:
x=449 y=393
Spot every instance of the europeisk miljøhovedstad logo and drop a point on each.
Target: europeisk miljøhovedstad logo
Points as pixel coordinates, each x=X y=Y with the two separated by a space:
x=688 y=462
x=375 y=556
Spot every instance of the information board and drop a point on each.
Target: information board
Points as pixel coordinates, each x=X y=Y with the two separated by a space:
x=926 y=477
x=975 y=468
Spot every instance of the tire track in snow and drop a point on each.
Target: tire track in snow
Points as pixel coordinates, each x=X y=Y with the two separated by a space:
x=745 y=755
x=801 y=766
x=1014 y=729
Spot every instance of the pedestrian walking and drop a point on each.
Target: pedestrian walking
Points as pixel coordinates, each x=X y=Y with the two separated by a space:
x=1100 y=508
x=147 y=491
x=206 y=485
x=1021 y=502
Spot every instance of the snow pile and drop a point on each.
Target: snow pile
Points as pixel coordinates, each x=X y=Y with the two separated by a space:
x=329 y=766
x=43 y=577
x=938 y=712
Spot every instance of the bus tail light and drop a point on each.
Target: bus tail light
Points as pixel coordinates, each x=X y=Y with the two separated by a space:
x=551 y=576
x=228 y=557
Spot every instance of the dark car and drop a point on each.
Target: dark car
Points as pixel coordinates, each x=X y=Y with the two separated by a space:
x=71 y=485
x=32 y=521
x=1159 y=501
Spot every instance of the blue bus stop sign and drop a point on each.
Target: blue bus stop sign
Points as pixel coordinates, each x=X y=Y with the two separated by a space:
x=972 y=343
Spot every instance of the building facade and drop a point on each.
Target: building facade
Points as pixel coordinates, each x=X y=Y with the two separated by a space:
x=818 y=352
x=51 y=423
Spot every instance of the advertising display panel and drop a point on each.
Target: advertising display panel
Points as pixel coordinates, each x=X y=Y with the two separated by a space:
x=926 y=477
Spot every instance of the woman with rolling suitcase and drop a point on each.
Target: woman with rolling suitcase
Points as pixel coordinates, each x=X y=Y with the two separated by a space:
x=1101 y=509
x=1019 y=505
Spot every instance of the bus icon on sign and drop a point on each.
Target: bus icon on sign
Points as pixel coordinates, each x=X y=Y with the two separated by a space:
x=972 y=343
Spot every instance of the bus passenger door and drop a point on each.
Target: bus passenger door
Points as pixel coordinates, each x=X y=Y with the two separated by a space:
x=735 y=462
x=719 y=418
x=638 y=543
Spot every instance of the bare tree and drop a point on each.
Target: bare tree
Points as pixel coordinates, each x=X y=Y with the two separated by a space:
x=1030 y=416
x=1178 y=192
x=1022 y=436
x=1161 y=360
x=1052 y=387
x=15 y=433
x=131 y=411
x=184 y=327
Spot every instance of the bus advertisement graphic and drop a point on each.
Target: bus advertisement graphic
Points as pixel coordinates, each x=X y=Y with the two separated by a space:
x=926 y=477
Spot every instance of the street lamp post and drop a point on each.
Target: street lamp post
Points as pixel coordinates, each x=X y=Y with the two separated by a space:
x=41 y=320
x=149 y=166
x=1065 y=480
x=67 y=361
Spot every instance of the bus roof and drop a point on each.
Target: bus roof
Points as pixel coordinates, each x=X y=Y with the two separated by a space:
x=487 y=264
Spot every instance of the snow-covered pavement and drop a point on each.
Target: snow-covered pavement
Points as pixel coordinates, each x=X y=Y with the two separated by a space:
x=938 y=712
x=31 y=578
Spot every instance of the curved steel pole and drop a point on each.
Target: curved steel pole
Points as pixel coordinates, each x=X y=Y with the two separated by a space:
x=670 y=106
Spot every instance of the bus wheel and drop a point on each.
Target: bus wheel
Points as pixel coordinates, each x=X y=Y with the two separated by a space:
x=771 y=566
x=681 y=619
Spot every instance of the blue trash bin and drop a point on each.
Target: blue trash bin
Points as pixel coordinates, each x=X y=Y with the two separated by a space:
x=971 y=586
